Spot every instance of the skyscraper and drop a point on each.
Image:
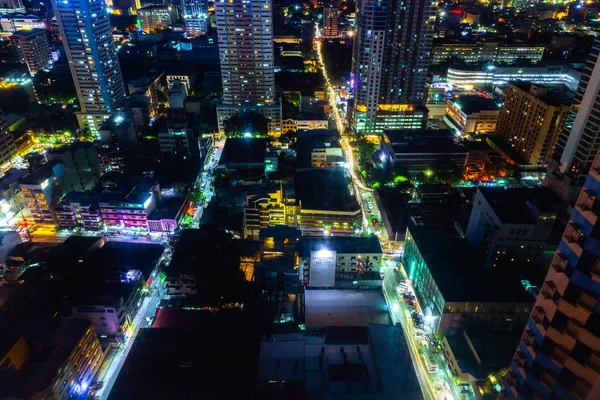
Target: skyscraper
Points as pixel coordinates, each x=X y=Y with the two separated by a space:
x=391 y=55
x=87 y=36
x=580 y=138
x=195 y=16
x=330 y=21
x=558 y=356
x=33 y=49
x=245 y=32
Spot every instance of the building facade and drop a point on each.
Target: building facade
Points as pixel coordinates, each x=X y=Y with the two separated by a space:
x=87 y=37
x=559 y=352
x=330 y=21
x=8 y=148
x=327 y=261
x=491 y=52
x=245 y=32
x=580 y=139
x=391 y=54
x=42 y=192
x=33 y=49
x=154 y=18
x=195 y=16
x=81 y=163
x=530 y=121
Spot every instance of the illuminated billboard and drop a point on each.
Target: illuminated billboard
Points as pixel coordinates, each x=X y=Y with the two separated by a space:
x=322 y=268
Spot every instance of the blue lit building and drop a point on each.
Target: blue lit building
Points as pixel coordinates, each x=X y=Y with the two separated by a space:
x=87 y=36
x=559 y=353
x=195 y=16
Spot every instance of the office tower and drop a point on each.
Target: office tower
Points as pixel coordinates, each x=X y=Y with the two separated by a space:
x=391 y=55
x=33 y=49
x=8 y=148
x=531 y=119
x=154 y=18
x=11 y=6
x=87 y=36
x=195 y=16
x=330 y=21
x=580 y=138
x=558 y=356
x=245 y=32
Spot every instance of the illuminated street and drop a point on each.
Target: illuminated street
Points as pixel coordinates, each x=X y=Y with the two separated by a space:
x=145 y=313
x=435 y=385
x=372 y=216
x=438 y=385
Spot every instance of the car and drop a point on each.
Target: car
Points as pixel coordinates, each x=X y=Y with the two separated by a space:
x=408 y=296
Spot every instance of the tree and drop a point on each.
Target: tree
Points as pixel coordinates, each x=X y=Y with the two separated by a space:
x=288 y=138
x=445 y=170
x=250 y=122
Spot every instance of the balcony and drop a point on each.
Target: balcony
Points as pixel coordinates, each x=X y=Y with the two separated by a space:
x=595 y=170
x=572 y=328
x=574 y=238
x=528 y=340
x=547 y=380
x=548 y=290
x=586 y=301
x=519 y=360
x=593 y=361
x=559 y=355
x=581 y=388
x=537 y=315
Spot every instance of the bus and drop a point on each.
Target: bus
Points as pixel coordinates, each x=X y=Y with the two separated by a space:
x=431 y=367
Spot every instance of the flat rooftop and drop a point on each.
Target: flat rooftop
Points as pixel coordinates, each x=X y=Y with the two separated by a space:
x=521 y=205
x=345 y=308
x=323 y=189
x=339 y=244
x=244 y=150
x=168 y=209
x=458 y=279
x=475 y=104
x=407 y=141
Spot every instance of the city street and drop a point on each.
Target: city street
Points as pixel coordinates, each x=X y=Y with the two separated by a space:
x=437 y=385
x=372 y=219
x=206 y=179
x=146 y=312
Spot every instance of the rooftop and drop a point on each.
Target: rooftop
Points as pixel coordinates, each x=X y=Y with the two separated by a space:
x=406 y=141
x=521 y=205
x=211 y=360
x=474 y=104
x=323 y=189
x=325 y=308
x=69 y=147
x=494 y=349
x=40 y=175
x=458 y=279
x=168 y=209
x=29 y=32
x=339 y=244
x=548 y=95
x=243 y=150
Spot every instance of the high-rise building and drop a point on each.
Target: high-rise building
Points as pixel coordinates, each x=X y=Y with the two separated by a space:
x=8 y=148
x=330 y=21
x=391 y=55
x=87 y=36
x=558 y=356
x=245 y=32
x=153 y=18
x=81 y=163
x=195 y=16
x=33 y=49
x=531 y=119
x=11 y=6
x=580 y=139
